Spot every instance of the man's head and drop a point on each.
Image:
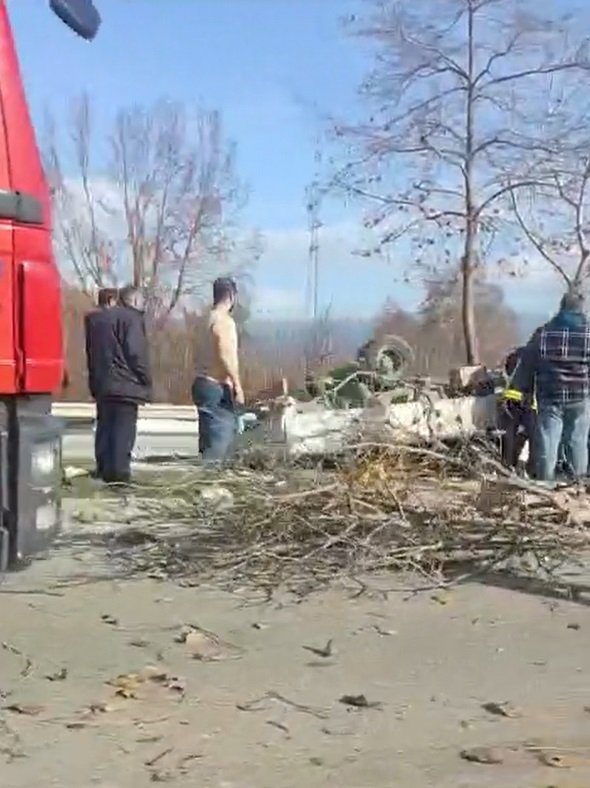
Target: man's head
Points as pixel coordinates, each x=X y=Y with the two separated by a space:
x=573 y=301
x=132 y=297
x=107 y=297
x=225 y=292
x=512 y=359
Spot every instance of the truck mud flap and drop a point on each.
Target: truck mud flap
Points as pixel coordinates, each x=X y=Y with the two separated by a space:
x=5 y=518
x=34 y=477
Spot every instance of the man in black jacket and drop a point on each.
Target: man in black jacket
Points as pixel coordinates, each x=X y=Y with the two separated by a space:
x=120 y=371
x=107 y=298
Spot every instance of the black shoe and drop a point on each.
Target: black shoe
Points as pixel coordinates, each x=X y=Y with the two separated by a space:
x=117 y=480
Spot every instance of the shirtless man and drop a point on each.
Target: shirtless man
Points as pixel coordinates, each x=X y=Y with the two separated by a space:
x=217 y=388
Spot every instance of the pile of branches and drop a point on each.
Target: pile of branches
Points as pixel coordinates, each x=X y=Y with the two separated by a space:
x=440 y=512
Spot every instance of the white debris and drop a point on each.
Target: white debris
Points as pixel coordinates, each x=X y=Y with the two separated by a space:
x=217 y=497
x=71 y=472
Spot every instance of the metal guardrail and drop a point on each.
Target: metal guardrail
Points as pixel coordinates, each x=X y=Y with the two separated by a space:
x=303 y=430
x=86 y=412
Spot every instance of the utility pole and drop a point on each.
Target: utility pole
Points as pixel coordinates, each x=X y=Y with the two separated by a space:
x=313 y=195
x=320 y=341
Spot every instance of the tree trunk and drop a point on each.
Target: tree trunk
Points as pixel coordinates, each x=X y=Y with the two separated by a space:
x=468 y=263
x=468 y=296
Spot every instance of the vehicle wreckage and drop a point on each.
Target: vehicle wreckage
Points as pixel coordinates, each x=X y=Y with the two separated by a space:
x=375 y=399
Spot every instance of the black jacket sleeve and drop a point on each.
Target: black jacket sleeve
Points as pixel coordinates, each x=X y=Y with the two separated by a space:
x=136 y=352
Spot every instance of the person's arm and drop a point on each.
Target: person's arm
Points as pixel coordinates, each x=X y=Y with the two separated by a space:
x=523 y=377
x=89 y=361
x=226 y=338
x=135 y=348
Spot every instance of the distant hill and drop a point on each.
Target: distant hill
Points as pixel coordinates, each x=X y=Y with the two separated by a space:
x=351 y=331
x=348 y=334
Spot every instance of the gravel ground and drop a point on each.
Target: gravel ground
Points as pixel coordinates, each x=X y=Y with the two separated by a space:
x=253 y=697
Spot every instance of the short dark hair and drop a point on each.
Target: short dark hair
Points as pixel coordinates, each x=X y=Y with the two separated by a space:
x=106 y=295
x=573 y=301
x=131 y=296
x=224 y=288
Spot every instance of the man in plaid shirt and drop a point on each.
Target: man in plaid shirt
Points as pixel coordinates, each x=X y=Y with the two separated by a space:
x=556 y=362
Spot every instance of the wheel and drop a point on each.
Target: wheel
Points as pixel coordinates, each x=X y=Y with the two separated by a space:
x=396 y=350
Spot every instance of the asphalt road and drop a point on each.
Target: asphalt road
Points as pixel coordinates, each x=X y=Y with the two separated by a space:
x=78 y=446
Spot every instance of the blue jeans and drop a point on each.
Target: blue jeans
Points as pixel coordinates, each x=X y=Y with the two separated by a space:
x=568 y=425
x=217 y=418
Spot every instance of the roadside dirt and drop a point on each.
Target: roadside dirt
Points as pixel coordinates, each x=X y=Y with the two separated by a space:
x=495 y=674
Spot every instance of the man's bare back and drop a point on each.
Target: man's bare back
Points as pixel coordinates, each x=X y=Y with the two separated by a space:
x=223 y=363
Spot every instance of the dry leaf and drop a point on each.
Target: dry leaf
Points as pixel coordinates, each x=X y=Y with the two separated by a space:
x=202 y=646
x=206 y=646
x=485 y=755
x=502 y=709
x=360 y=702
x=28 y=710
x=176 y=684
x=162 y=777
x=384 y=632
x=77 y=725
x=324 y=652
x=126 y=685
x=554 y=760
x=99 y=708
x=563 y=760
x=153 y=673
x=60 y=675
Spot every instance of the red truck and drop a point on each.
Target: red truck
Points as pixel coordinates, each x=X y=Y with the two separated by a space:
x=31 y=343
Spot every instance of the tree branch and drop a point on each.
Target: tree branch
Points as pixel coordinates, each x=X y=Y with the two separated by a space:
x=532 y=72
x=537 y=244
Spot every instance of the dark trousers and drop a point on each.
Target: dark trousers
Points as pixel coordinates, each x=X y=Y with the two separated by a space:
x=217 y=418
x=518 y=423
x=118 y=433
x=100 y=439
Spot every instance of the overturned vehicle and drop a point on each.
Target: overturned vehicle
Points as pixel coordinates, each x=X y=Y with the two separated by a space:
x=375 y=399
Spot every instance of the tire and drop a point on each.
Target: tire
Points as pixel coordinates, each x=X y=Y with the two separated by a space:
x=395 y=346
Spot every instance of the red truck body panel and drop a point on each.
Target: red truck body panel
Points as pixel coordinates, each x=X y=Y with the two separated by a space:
x=31 y=344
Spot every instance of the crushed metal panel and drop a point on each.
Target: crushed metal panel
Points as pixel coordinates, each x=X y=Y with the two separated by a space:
x=313 y=429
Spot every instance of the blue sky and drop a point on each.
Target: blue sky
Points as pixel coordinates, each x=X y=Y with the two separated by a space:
x=271 y=67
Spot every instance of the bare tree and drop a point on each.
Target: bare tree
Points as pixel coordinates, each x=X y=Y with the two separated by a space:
x=163 y=213
x=80 y=235
x=458 y=126
x=554 y=217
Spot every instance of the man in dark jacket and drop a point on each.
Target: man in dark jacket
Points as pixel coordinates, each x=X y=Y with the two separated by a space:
x=122 y=379
x=557 y=359
x=107 y=298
